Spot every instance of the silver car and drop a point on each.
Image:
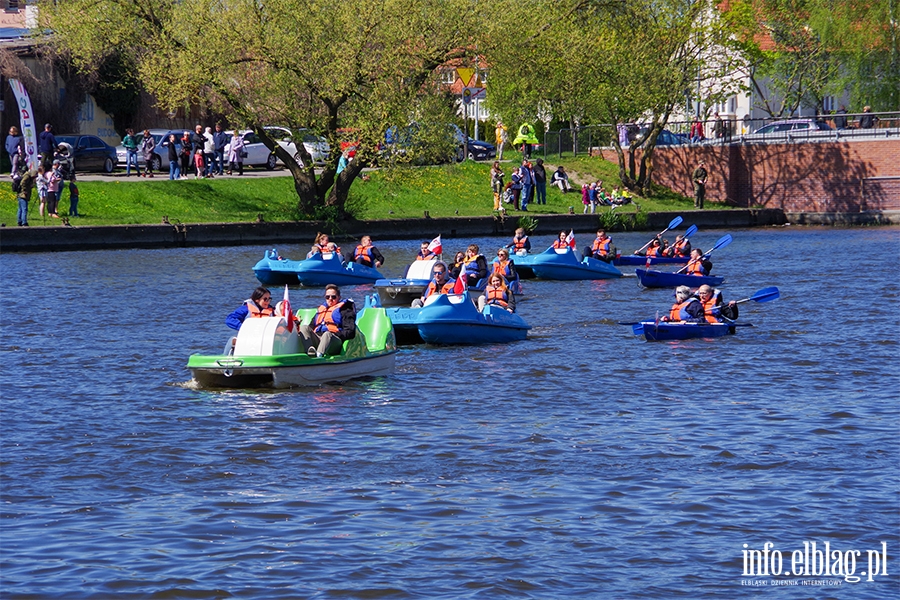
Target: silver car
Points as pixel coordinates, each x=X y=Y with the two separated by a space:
x=160 y=154
x=316 y=145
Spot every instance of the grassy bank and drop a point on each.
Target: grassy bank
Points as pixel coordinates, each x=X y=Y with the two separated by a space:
x=445 y=190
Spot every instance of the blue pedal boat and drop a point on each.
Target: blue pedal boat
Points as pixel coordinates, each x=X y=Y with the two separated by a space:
x=402 y=291
x=563 y=264
x=659 y=279
x=665 y=331
x=454 y=319
x=318 y=270
x=636 y=260
x=272 y=270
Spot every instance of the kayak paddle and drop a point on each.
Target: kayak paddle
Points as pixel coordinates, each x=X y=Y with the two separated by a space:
x=691 y=231
x=723 y=241
x=672 y=225
x=764 y=295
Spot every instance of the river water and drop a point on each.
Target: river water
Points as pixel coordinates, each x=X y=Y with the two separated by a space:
x=580 y=463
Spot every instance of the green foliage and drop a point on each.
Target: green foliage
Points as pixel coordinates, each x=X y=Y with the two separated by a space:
x=611 y=220
x=528 y=223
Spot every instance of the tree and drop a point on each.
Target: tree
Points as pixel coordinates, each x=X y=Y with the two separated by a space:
x=346 y=70
x=613 y=62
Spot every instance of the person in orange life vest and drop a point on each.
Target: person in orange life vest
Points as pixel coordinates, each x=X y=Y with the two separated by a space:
x=698 y=265
x=439 y=284
x=520 y=244
x=681 y=247
x=504 y=266
x=367 y=254
x=334 y=324
x=476 y=265
x=561 y=242
x=602 y=248
x=714 y=308
x=322 y=245
x=257 y=306
x=425 y=253
x=497 y=293
x=654 y=249
x=686 y=308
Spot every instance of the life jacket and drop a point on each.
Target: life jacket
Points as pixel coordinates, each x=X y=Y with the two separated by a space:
x=520 y=242
x=427 y=256
x=559 y=244
x=503 y=267
x=329 y=247
x=679 y=247
x=710 y=304
x=255 y=312
x=601 y=247
x=498 y=296
x=365 y=253
x=695 y=267
x=679 y=310
x=654 y=251
x=329 y=317
x=447 y=288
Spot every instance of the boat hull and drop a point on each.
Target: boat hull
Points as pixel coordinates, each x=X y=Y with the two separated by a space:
x=660 y=332
x=276 y=272
x=634 y=260
x=454 y=319
x=563 y=265
x=404 y=320
x=317 y=271
x=296 y=370
x=659 y=279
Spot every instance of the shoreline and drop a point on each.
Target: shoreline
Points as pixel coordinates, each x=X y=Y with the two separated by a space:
x=192 y=235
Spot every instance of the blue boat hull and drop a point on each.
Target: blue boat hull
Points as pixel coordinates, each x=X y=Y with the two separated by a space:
x=454 y=319
x=563 y=266
x=659 y=279
x=634 y=260
x=271 y=271
x=661 y=332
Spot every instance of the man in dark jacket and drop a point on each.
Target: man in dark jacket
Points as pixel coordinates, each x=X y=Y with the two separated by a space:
x=220 y=140
x=540 y=182
x=335 y=323
x=47 y=146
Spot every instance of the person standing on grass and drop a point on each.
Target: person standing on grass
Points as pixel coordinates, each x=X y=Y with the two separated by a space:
x=47 y=146
x=26 y=185
x=540 y=182
x=497 y=183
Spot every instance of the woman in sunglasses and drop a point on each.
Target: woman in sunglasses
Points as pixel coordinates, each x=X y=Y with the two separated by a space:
x=335 y=323
x=259 y=305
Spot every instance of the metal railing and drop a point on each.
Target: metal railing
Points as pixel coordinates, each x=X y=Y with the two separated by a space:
x=729 y=130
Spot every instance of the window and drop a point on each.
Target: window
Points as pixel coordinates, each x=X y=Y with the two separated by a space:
x=448 y=76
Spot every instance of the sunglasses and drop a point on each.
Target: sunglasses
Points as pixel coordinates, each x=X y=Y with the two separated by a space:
x=266 y=299
x=330 y=297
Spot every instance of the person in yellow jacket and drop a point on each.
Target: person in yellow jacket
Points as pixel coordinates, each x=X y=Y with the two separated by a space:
x=501 y=137
x=527 y=138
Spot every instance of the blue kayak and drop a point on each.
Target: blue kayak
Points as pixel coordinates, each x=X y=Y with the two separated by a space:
x=454 y=319
x=659 y=279
x=322 y=269
x=563 y=264
x=663 y=331
x=636 y=260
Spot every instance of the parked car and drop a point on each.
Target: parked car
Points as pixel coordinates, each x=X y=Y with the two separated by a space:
x=790 y=128
x=160 y=154
x=258 y=155
x=665 y=137
x=316 y=145
x=475 y=149
x=89 y=153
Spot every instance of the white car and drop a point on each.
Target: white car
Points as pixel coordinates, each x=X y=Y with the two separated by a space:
x=257 y=155
x=316 y=145
x=161 y=156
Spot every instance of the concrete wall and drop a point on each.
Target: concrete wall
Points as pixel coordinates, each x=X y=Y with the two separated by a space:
x=44 y=239
x=821 y=177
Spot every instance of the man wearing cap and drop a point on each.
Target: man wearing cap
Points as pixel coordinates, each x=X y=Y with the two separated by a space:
x=47 y=146
x=699 y=178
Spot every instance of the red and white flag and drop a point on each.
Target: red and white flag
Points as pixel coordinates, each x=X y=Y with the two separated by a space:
x=460 y=286
x=435 y=246
x=570 y=239
x=286 y=309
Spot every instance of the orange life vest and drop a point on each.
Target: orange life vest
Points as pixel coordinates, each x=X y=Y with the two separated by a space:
x=520 y=242
x=325 y=315
x=709 y=305
x=654 y=250
x=678 y=312
x=559 y=244
x=679 y=246
x=447 y=288
x=329 y=247
x=427 y=256
x=503 y=268
x=601 y=247
x=365 y=253
x=695 y=267
x=255 y=312
x=496 y=295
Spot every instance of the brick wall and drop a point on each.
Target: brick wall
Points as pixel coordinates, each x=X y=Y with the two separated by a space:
x=811 y=177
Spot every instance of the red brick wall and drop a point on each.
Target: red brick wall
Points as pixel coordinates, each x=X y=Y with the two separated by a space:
x=814 y=177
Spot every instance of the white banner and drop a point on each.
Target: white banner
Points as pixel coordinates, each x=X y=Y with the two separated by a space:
x=26 y=120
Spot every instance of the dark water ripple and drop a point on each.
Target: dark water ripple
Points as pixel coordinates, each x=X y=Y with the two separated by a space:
x=582 y=462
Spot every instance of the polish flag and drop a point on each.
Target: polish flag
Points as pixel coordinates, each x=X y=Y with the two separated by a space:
x=570 y=239
x=286 y=309
x=435 y=246
x=460 y=286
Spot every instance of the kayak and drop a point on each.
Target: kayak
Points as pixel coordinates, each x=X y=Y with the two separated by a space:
x=665 y=331
x=659 y=279
x=637 y=260
x=318 y=270
x=264 y=354
x=454 y=319
x=563 y=264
